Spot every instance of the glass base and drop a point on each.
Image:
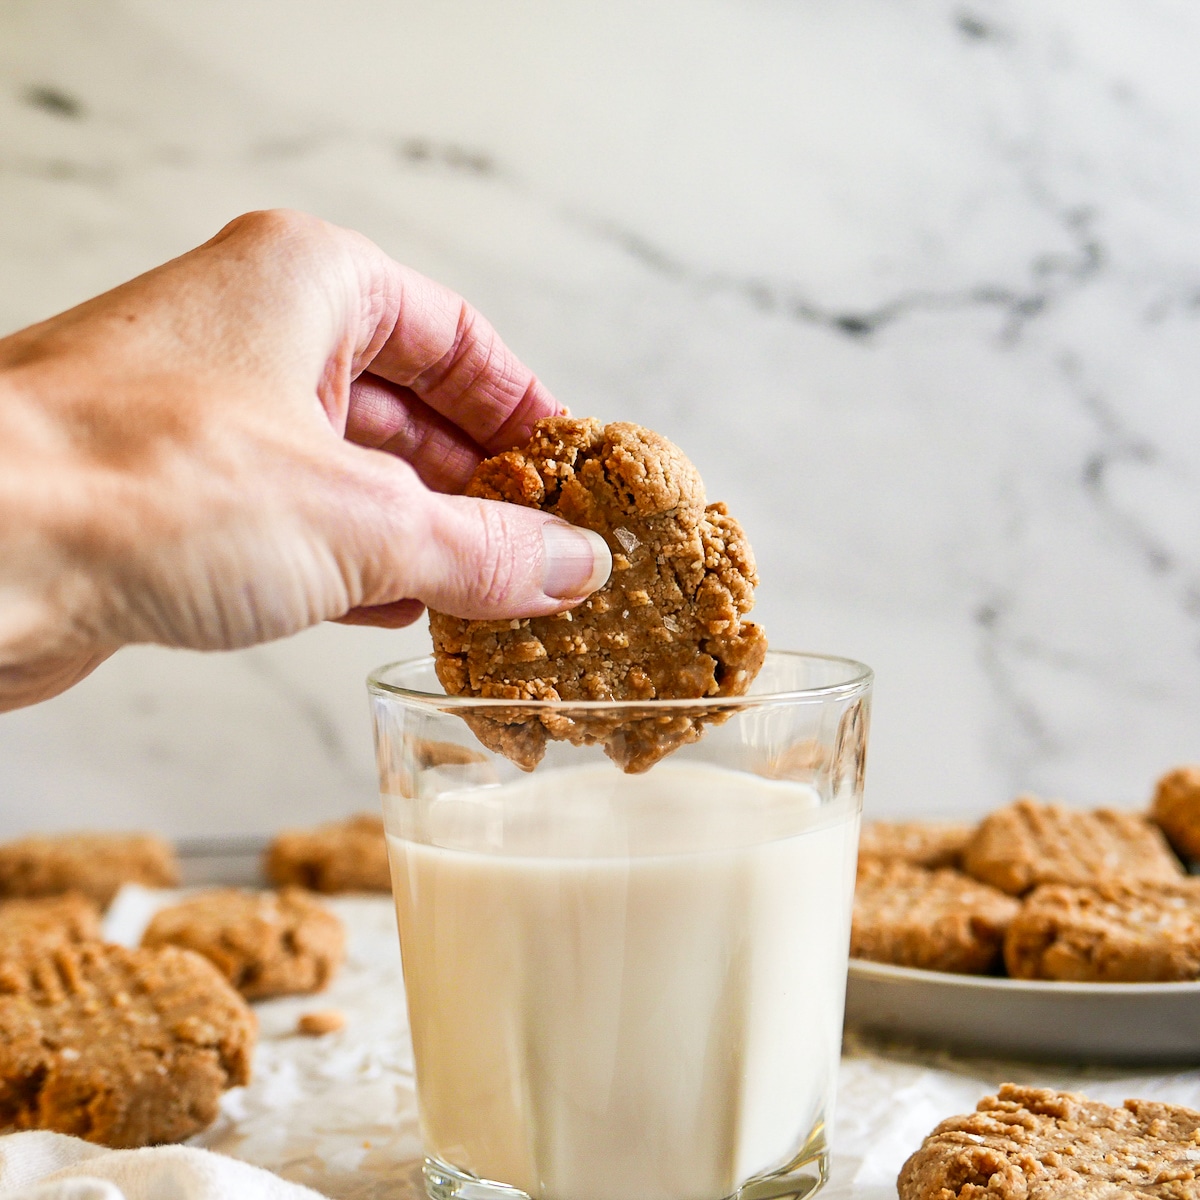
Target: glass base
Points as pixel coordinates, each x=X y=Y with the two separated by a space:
x=802 y=1177
x=444 y=1182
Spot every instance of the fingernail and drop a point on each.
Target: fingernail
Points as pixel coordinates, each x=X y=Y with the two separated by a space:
x=575 y=561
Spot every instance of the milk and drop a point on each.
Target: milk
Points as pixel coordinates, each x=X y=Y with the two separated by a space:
x=624 y=987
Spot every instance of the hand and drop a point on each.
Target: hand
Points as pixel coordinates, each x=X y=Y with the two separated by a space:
x=255 y=437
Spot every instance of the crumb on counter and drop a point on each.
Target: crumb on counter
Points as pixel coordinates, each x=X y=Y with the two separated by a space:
x=317 y=1024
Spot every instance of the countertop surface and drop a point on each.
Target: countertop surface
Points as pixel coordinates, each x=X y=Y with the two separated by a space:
x=916 y=285
x=338 y=1113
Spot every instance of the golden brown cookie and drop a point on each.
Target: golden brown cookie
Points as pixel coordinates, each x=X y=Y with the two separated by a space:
x=937 y=920
x=921 y=843
x=42 y=924
x=264 y=943
x=345 y=856
x=1176 y=810
x=1110 y=932
x=1029 y=842
x=95 y=864
x=121 y=1047
x=668 y=624
x=1035 y=1144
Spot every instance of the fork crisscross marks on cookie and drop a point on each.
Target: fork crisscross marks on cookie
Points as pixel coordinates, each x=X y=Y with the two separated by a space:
x=121 y=1047
x=1037 y=1144
x=1030 y=842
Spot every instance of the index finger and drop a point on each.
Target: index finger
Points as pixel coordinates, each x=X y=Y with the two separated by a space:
x=435 y=344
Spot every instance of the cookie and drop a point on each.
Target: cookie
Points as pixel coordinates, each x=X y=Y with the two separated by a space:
x=40 y=925
x=921 y=843
x=1111 y=932
x=95 y=864
x=1036 y=1144
x=668 y=625
x=121 y=1047
x=345 y=856
x=264 y=943
x=1176 y=810
x=937 y=920
x=1029 y=842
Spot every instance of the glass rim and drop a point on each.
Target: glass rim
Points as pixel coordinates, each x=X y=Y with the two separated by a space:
x=860 y=678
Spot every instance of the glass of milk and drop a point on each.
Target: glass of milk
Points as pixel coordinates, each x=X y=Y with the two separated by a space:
x=626 y=987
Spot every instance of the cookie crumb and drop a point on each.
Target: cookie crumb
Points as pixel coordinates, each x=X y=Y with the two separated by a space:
x=317 y=1024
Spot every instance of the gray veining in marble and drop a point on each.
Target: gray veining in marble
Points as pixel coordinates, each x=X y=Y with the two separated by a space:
x=916 y=284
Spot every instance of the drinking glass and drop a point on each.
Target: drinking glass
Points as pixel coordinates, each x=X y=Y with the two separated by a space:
x=625 y=986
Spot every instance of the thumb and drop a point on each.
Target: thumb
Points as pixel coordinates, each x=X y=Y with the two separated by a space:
x=486 y=560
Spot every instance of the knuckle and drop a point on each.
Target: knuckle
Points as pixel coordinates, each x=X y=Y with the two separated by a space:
x=497 y=570
x=450 y=368
x=522 y=415
x=477 y=364
x=275 y=225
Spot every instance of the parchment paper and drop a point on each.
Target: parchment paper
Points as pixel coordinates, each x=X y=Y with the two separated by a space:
x=338 y=1113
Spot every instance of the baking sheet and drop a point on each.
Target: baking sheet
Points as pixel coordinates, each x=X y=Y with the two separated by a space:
x=209 y=861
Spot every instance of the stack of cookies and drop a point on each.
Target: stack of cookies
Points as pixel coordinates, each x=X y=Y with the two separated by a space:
x=1040 y=890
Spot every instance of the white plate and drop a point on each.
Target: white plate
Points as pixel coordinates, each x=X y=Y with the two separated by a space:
x=1033 y=1019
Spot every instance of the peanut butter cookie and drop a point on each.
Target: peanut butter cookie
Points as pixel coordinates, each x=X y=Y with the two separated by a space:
x=1029 y=842
x=95 y=864
x=921 y=843
x=40 y=925
x=264 y=943
x=1176 y=810
x=1111 y=932
x=1035 y=1144
x=121 y=1047
x=937 y=920
x=344 y=856
x=668 y=625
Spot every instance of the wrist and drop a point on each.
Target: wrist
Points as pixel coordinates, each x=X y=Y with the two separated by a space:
x=49 y=631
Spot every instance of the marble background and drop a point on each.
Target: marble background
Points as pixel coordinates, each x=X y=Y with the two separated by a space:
x=915 y=283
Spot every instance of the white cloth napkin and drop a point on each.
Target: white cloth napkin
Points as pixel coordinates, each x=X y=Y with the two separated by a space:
x=52 y=1166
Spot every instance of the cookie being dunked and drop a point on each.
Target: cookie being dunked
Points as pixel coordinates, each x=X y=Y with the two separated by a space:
x=667 y=626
